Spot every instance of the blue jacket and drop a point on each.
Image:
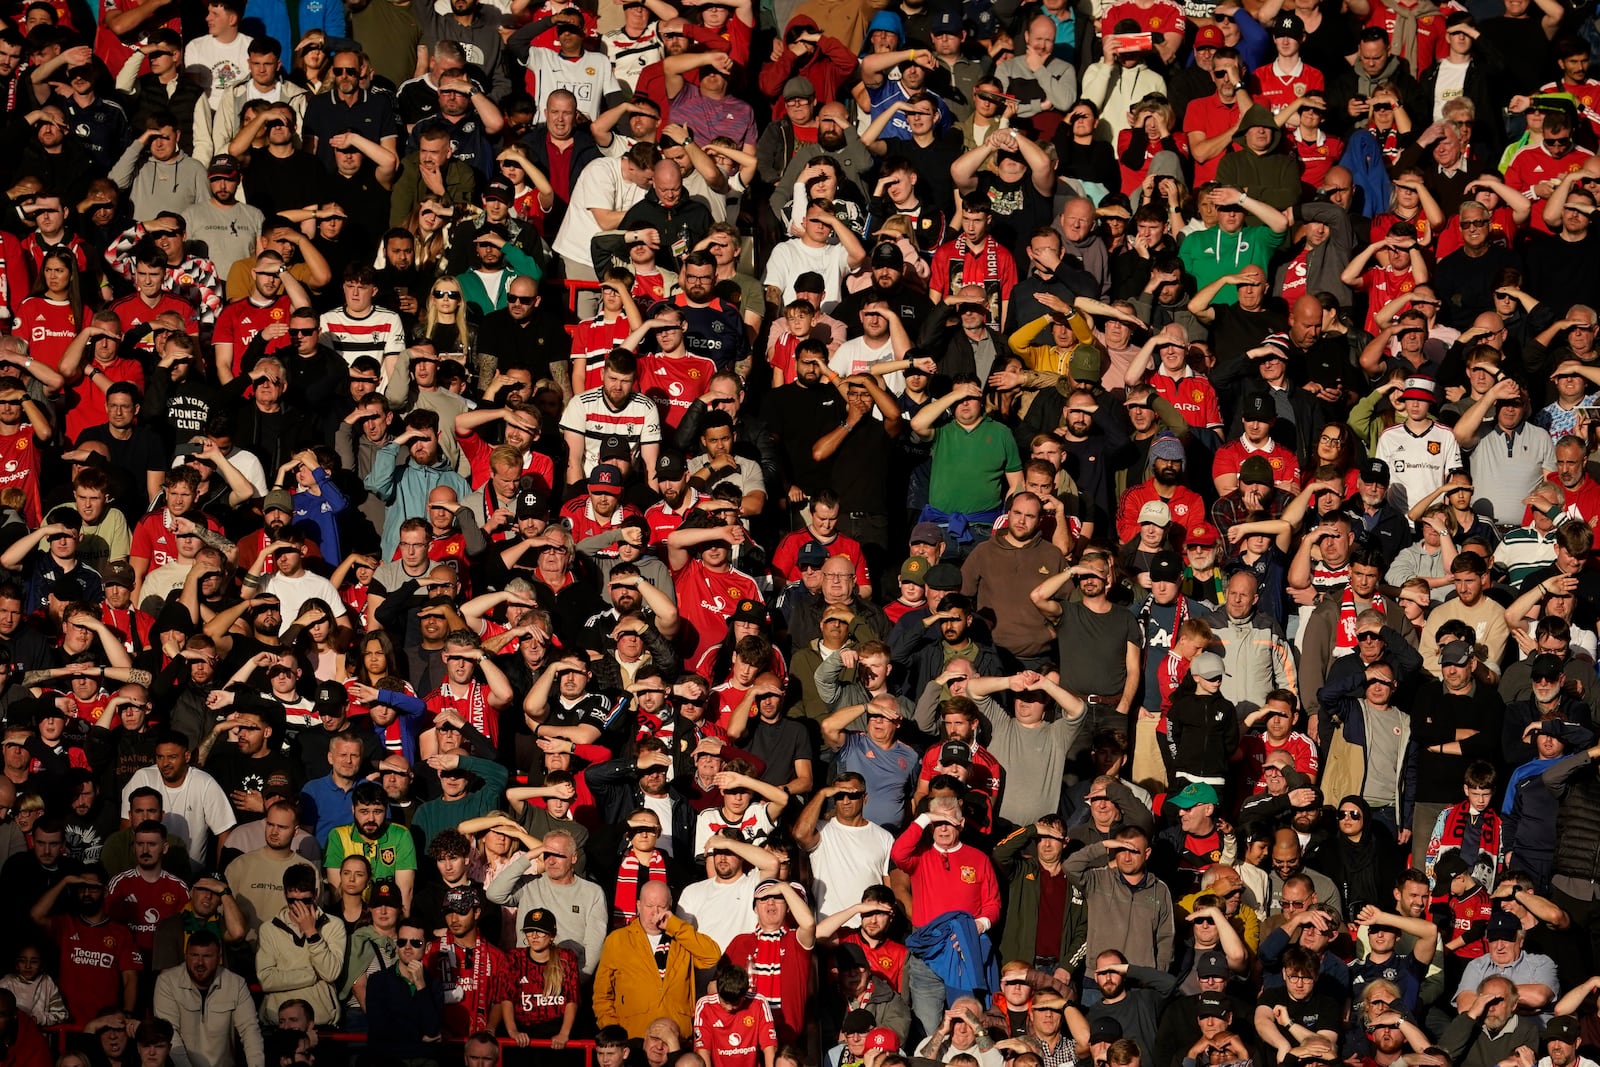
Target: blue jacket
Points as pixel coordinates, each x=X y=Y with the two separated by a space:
x=273 y=17
x=952 y=946
x=1367 y=171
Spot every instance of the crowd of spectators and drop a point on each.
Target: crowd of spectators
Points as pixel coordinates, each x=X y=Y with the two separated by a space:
x=696 y=533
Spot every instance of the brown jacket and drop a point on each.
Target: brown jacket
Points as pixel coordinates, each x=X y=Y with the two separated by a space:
x=630 y=992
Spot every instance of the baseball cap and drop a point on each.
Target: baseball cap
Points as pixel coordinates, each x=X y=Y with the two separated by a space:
x=614 y=447
x=1212 y=964
x=1288 y=24
x=1563 y=1028
x=1211 y=1004
x=331 y=700
x=1084 y=364
x=945 y=577
x=671 y=466
x=542 y=919
x=953 y=752
x=811 y=555
x=881 y=1037
x=1255 y=471
x=1375 y=471
x=1258 y=407
x=1544 y=665
x=1209 y=37
x=1192 y=794
x=799 y=89
x=888 y=255
x=946 y=22
x=1208 y=665
x=118 y=573
x=1155 y=512
x=849 y=956
x=1503 y=926
x=223 y=165
x=386 y=894
x=500 y=191
x=278 y=500
x=915 y=570
x=1456 y=654
x=926 y=533
x=1166 y=566
x=750 y=611
x=531 y=504
x=1104 y=1029
x=1203 y=534
x=605 y=478
x=461 y=899
x=1447 y=868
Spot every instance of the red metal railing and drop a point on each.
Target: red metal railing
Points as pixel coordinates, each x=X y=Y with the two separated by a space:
x=58 y=1035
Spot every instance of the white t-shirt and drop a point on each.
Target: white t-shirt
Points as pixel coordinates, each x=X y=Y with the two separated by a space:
x=856 y=355
x=601 y=185
x=721 y=910
x=217 y=65
x=292 y=593
x=794 y=257
x=197 y=810
x=846 y=860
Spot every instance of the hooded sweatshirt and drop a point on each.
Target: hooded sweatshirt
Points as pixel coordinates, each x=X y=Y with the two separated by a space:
x=827 y=67
x=1271 y=176
x=155 y=187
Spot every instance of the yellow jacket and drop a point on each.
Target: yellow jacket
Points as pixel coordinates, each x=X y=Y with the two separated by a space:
x=1049 y=357
x=630 y=992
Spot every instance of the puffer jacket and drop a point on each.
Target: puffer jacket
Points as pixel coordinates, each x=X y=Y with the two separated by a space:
x=289 y=966
x=1575 y=786
x=1259 y=658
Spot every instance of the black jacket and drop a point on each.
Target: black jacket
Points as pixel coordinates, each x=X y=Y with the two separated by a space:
x=688 y=221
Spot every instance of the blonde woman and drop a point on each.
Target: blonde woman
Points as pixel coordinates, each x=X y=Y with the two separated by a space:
x=545 y=966
x=444 y=319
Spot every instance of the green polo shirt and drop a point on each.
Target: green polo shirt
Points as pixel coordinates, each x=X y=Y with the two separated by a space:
x=970 y=466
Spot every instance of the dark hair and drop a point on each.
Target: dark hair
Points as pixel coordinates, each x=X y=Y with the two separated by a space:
x=367 y=793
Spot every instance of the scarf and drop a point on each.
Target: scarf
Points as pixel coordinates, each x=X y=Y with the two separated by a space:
x=765 y=966
x=193 y=924
x=1454 y=834
x=1345 y=637
x=991 y=270
x=632 y=876
x=467 y=987
x=1404 y=35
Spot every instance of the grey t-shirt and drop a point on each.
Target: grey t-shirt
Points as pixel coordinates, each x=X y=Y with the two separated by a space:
x=1094 y=649
x=1383 y=754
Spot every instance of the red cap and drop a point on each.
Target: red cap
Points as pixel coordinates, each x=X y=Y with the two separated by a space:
x=882 y=1037
x=1209 y=37
x=1203 y=534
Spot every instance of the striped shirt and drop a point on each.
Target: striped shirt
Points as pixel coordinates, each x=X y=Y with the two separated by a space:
x=591 y=414
x=378 y=333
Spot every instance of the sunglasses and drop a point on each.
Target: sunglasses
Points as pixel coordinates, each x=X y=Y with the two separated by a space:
x=1383 y=107
x=304 y=331
x=512 y=298
x=1369 y=637
x=1349 y=816
x=446 y=294
x=1547 y=678
x=852 y=794
x=410 y=942
x=346 y=71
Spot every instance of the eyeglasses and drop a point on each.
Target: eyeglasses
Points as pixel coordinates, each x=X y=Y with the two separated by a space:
x=1331 y=439
x=447 y=294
